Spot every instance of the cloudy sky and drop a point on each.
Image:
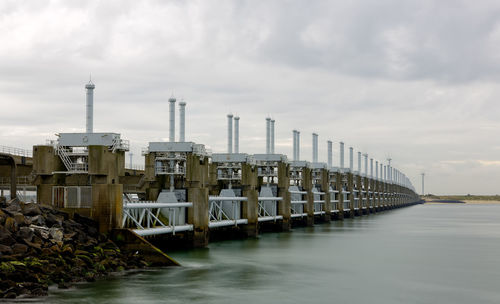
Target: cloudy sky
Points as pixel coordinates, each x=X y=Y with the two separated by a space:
x=416 y=81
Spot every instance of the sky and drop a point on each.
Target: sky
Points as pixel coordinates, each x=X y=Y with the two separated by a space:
x=415 y=81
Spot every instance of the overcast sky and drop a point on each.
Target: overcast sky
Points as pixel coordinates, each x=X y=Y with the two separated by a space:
x=417 y=81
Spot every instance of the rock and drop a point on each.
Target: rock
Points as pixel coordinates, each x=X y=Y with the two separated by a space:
x=10 y=224
x=6 y=236
x=56 y=234
x=52 y=219
x=5 y=249
x=36 y=220
x=19 y=218
x=25 y=234
x=31 y=209
x=63 y=285
x=3 y=216
x=67 y=249
x=19 y=249
x=14 y=206
x=10 y=295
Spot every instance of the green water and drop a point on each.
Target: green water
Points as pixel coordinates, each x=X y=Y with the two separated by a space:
x=421 y=254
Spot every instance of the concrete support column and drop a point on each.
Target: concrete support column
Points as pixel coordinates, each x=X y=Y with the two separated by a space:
x=285 y=209
x=340 y=203
x=367 y=194
x=198 y=216
x=250 y=211
x=350 y=189
x=325 y=182
x=309 y=207
x=285 y=206
x=359 y=188
x=107 y=206
x=13 y=180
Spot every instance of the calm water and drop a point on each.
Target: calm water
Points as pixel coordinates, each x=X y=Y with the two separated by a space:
x=422 y=254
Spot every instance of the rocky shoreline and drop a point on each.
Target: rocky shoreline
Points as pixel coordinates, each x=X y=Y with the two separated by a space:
x=41 y=246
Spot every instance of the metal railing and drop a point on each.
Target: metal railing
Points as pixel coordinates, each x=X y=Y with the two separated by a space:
x=16 y=151
x=145 y=217
x=319 y=202
x=134 y=167
x=268 y=209
x=334 y=200
x=297 y=203
x=225 y=211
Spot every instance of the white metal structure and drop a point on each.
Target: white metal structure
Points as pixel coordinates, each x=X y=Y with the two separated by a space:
x=315 y=147
x=182 y=121
x=145 y=217
x=16 y=151
x=236 y=134
x=171 y=103
x=72 y=148
x=229 y=133
x=272 y=136
x=341 y=160
x=225 y=210
x=330 y=154
x=268 y=135
x=90 y=107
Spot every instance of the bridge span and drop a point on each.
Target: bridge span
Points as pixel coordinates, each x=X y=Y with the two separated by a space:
x=186 y=192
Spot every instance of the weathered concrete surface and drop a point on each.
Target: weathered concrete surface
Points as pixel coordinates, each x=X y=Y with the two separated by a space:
x=130 y=242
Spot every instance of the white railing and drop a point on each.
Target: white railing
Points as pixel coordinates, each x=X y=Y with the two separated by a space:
x=334 y=200
x=166 y=169
x=68 y=162
x=297 y=203
x=16 y=151
x=319 y=202
x=347 y=200
x=268 y=209
x=134 y=167
x=145 y=217
x=224 y=211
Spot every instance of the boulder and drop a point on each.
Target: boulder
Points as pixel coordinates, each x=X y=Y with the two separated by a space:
x=10 y=224
x=14 y=206
x=25 y=234
x=3 y=216
x=19 y=249
x=4 y=249
x=56 y=234
x=19 y=218
x=52 y=219
x=31 y=209
x=6 y=237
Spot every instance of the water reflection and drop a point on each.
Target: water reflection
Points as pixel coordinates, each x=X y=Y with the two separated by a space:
x=422 y=254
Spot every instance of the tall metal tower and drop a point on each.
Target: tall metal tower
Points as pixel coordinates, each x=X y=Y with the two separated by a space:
x=90 y=107
x=423 y=175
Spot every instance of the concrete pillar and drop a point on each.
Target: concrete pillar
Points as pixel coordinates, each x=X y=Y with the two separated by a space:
x=107 y=206
x=198 y=215
x=13 y=180
x=285 y=206
x=250 y=211
x=325 y=185
x=359 y=187
x=307 y=185
x=350 y=189
x=340 y=203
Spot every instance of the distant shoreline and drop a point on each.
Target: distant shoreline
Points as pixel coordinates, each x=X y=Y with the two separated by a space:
x=468 y=202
